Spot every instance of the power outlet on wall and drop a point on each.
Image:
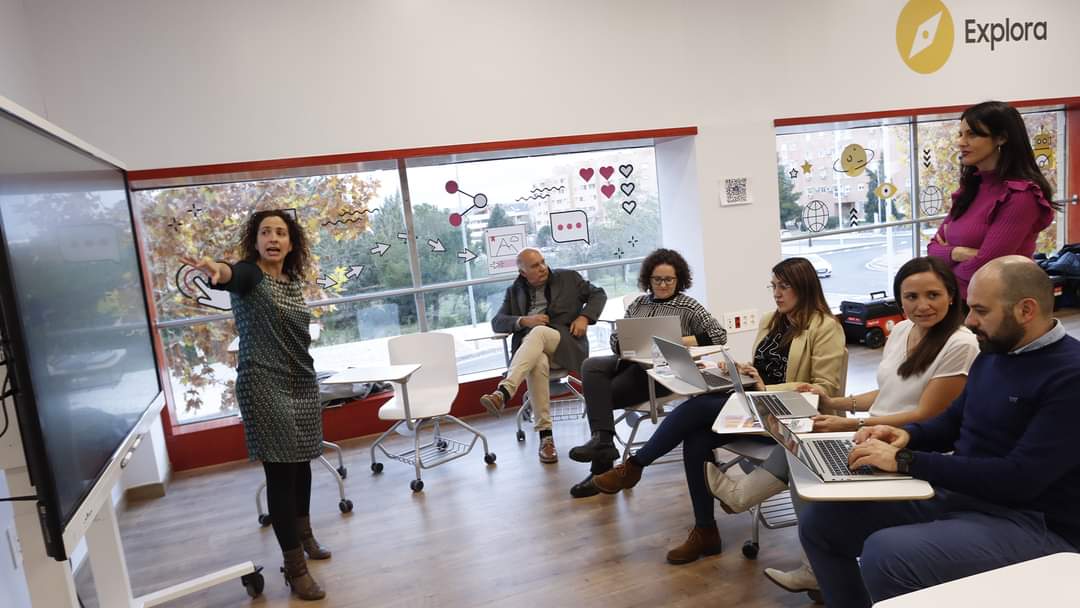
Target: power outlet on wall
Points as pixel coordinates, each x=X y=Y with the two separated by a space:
x=743 y=320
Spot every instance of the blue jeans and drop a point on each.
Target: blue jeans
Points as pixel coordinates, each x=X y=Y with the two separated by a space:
x=909 y=545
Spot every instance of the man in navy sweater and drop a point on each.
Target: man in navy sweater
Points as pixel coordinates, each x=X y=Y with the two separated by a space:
x=1010 y=490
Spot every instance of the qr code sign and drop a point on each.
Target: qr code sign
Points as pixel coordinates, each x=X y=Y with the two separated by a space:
x=736 y=191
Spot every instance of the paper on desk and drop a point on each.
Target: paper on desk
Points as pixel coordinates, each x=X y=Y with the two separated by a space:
x=734 y=419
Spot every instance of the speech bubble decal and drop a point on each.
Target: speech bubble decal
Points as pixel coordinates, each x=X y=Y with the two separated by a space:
x=570 y=226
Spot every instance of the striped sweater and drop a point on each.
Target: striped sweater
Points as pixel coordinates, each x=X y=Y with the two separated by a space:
x=693 y=318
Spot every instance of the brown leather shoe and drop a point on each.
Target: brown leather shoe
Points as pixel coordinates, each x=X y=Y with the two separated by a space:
x=298 y=578
x=494 y=403
x=702 y=541
x=624 y=476
x=548 y=454
x=311 y=546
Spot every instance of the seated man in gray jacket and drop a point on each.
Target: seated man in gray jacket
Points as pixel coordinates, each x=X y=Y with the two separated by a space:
x=548 y=312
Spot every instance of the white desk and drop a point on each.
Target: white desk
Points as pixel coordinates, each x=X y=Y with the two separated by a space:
x=812 y=489
x=497 y=336
x=375 y=373
x=1046 y=581
x=399 y=374
x=696 y=352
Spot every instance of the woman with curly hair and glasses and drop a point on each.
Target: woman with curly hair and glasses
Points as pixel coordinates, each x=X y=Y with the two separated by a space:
x=275 y=379
x=611 y=383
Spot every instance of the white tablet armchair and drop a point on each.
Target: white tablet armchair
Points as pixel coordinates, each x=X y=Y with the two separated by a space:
x=431 y=392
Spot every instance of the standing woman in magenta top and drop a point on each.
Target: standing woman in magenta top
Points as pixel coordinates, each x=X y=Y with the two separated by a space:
x=1003 y=202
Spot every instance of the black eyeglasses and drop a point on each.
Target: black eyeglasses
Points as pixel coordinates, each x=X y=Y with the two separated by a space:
x=663 y=280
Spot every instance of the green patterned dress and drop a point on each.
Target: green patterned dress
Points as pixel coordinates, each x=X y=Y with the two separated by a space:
x=275 y=375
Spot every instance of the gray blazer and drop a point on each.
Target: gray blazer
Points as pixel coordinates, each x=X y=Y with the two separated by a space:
x=568 y=295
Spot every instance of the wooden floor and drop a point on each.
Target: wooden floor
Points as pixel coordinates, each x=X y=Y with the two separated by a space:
x=478 y=535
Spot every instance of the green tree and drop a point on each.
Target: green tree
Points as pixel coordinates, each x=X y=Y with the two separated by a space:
x=790 y=211
x=499 y=217
x=206 y=221
x=871 y=206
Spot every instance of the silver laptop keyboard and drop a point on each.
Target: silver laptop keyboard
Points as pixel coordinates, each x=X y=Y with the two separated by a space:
x=834 y=452
x=773 y=404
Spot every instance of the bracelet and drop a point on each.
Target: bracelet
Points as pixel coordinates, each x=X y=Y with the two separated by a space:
x=852 y=403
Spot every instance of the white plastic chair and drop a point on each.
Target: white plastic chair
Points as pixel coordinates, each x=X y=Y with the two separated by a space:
x=432 y=390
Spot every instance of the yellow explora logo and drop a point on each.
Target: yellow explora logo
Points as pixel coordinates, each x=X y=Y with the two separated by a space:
x=924 y=35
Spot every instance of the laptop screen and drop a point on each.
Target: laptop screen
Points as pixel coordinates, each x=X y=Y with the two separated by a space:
x=783 y=435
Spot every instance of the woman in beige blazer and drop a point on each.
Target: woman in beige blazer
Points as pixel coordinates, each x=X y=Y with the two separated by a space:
x=800 y=343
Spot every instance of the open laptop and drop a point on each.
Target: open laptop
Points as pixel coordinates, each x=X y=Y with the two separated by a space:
x=826 y=457
x=636 y=335
x=783 y=404
x=684 y=367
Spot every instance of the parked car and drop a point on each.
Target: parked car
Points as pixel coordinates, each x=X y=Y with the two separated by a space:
x=821 y=265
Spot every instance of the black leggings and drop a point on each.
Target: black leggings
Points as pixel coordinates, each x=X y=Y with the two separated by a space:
x=691 y=425
x=288 y=497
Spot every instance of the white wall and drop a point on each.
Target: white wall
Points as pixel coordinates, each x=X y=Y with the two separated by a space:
x=18 y=74
x=179 y=83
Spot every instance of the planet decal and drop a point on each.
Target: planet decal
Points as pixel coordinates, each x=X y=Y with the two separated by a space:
x=853 y=160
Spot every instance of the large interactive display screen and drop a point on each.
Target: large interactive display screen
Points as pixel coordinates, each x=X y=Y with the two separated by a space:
x=77 y=336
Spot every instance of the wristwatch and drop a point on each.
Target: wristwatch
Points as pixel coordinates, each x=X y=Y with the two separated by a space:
x=904 y=458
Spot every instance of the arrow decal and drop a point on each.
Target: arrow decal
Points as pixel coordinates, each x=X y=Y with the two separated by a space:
x=354 y=271
x=436 y=245
x=379 y=249
x=326 y=282
x=466 y=256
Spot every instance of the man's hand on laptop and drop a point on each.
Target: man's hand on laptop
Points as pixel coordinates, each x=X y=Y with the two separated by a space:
x=874 y=453
x=898 y=438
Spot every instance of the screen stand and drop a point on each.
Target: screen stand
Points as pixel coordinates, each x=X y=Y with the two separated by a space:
x=52 y=583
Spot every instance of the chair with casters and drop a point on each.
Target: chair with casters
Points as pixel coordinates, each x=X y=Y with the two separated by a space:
x=776 y=511
x=431 y=392
x=567 y=402
x=340 y=473
x=634 y=415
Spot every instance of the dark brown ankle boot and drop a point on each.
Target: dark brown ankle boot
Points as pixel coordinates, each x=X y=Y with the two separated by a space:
x=702 y=541
x=623 y=477
x=307 y=540
x=298 y=578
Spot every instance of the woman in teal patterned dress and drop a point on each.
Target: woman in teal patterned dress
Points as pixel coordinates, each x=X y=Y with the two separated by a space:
x=275 y=379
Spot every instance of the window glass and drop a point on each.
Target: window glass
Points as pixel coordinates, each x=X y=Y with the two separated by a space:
x=851 y=266
x=361 y=286
x=844 y=178
x=576 y=208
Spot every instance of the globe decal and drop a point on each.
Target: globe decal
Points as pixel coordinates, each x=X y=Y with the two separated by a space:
x=931 y=200
x=815 y=216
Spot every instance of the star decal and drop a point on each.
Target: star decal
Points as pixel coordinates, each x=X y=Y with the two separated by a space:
x=793 y=173
x=806 y=166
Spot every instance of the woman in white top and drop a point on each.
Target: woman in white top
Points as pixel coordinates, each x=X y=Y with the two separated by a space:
x=923 y=369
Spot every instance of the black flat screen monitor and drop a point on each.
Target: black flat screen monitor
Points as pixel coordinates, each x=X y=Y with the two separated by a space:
x=77 y=336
